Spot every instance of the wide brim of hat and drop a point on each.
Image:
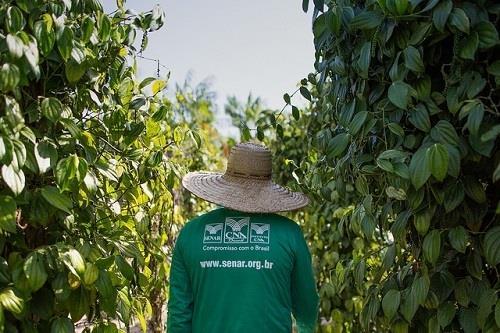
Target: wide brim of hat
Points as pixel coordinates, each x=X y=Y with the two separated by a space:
x=243 y=194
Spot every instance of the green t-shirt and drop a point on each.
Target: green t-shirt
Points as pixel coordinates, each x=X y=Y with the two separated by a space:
x=235 y=272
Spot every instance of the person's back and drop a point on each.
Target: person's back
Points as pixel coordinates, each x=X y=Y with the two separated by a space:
x=242 y=269
x=241 y=272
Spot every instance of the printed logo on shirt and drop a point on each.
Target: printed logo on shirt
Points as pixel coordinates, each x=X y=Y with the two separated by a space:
x=213 y=233
x=236 y=230
x=259 y=233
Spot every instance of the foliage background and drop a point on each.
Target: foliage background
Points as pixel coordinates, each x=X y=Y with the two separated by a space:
x=398 y=150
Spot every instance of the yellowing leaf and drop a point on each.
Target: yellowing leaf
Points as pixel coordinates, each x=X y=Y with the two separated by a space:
x=158 y=86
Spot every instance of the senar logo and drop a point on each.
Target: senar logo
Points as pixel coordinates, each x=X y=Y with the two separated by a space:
x=259 y=233
x=236 y=230
x=213 y=233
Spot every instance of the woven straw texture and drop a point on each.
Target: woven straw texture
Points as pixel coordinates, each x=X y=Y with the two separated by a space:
x=246 y=185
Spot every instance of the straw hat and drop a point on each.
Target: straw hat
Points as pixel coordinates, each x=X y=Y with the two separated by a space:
x=246 y=185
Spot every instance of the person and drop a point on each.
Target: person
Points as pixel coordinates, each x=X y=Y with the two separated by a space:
x=242 y=268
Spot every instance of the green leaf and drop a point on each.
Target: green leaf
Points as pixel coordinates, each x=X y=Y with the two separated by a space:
x=420 y=32
x=399 y=94
x=423 y=88
x=19 y=154
x=422 y=221
x=138 y=101
x=476 y=85
x=396 y=129
x=69 y=169
x=78 y=53
x=420 y=288
x=459 y=20
x=338 y=144
x=70 y=125
x=432 y=246
x=440 y=14
x=468 y=46
x=491 y=134
x=54 y=197
x=74 y=71
x=14 y=179
x=409 y=306
x=45 y=155
x=9 y=77
x=366 y=20
x=486 y=303
x=65 y=43
x=74 y=261
x=8 y=210
x=364 y=59
x=305 y=5
x=52 y=108
x=483 y=148
x=459 y=238
x=305 y=92
x=147 y=81
x=474 y=265
x=87 y=28
x=390 y=303
x=413 y=59
x=15 y=45
x=488 y=34
x=11 y=302
x=104 y=284
x=401 y=6
x=445 y=314
x=494 y=68
x=419 y=117
x=491 y=244
x=437 y=160
x=5 y=150
x=474 y=189
x=14 y=19
x=475 y=117
x=385 y=165
x=45 y=36
x=62 y=325
x=104 y=27
x=454 y=195
x=398 y=228
x=497 y=313
x=295 y=112
x=286 y=98
x=430 y=4
x=334 y=19
x=462 y=292
x=357 y=122
x=389 y=256
x=32 y=56
x=444 y=132
x=78 y=303
x=419 y=168
x=34 y=269
x=124 y=268
x=433 y=325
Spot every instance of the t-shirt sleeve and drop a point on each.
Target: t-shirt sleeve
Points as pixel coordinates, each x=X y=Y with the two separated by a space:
x=305 y=298
x=180 y=300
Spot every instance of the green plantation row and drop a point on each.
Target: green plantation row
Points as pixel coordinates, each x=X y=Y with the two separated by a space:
x=399 y=150
x=90 y=158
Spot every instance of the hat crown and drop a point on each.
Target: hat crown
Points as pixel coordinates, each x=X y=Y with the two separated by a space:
x=250 y=160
